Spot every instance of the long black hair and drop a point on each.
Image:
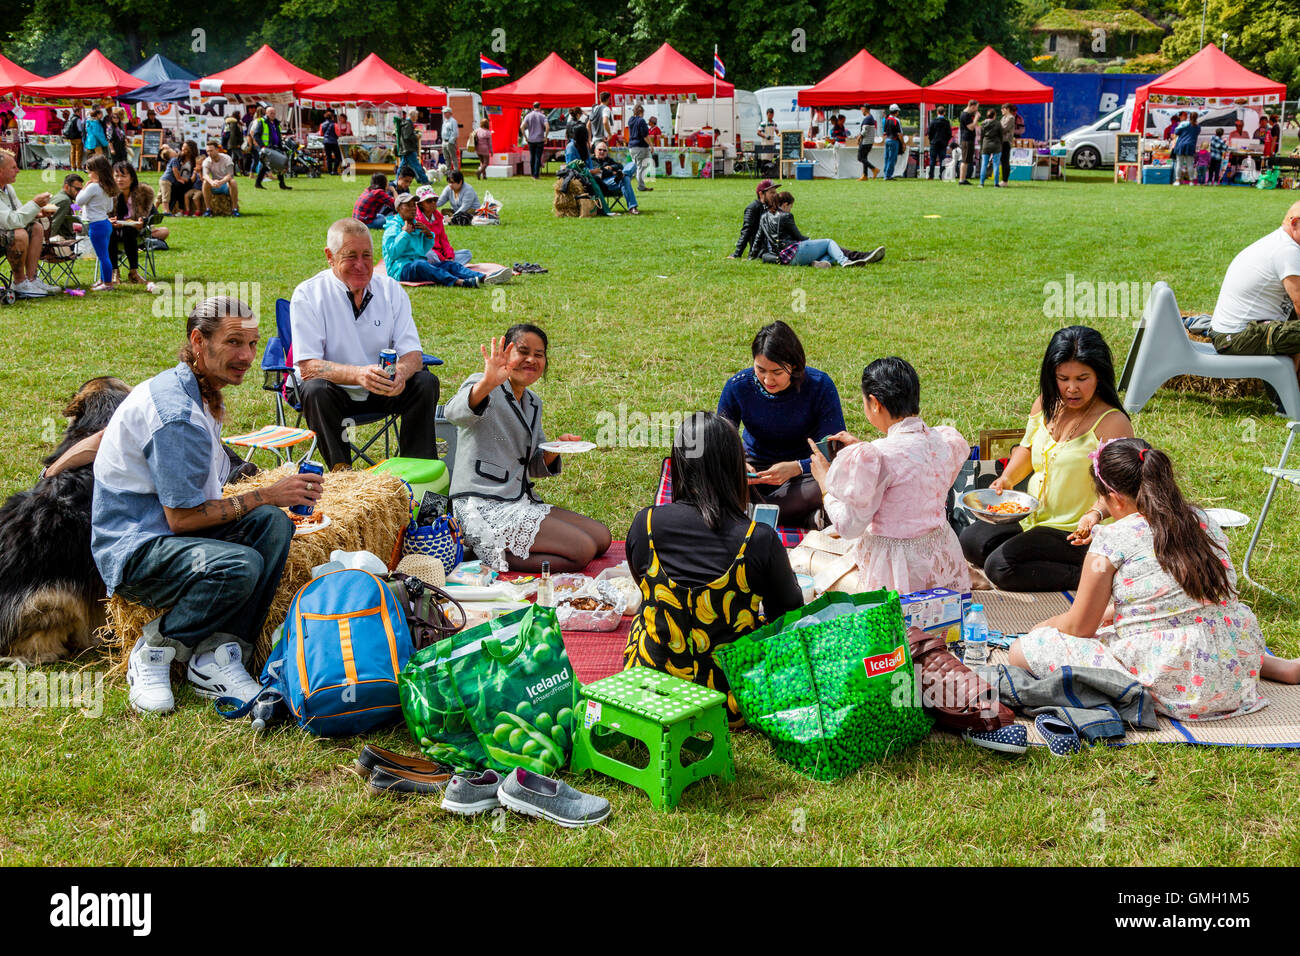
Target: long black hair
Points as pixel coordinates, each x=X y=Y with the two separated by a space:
x=1131 y=467
x=777 y=343
x=1077 y=343
x=707 y=467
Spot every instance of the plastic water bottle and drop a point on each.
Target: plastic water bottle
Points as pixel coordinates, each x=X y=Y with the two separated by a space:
x=975 y=636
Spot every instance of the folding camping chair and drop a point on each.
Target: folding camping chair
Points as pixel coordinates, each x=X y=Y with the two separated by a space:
x=1279 y=473
x=277 y=377
x=58 y=263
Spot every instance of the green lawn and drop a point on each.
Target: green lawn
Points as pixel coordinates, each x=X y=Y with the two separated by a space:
x=647 y=312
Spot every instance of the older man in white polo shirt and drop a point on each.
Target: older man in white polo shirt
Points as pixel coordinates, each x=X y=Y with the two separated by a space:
x=342 y=318
x=1259 y=301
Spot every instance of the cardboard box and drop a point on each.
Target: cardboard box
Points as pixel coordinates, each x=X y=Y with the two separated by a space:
x=936 y=610
x=498 y=172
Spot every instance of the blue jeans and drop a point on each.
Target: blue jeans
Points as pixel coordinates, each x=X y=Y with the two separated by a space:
x=412 y=161
x=99 y=232
x=814 y=250
x=443 y=273
x=535 y=158
x=625 y=184
x=463 y=256
x=891 y=157
x=215 y=584
x=378 y=222
x=991 y=161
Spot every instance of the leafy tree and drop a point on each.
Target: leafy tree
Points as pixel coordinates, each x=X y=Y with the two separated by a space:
x=1263 y=35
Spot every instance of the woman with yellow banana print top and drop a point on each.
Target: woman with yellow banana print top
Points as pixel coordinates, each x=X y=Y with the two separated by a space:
x=707 y=573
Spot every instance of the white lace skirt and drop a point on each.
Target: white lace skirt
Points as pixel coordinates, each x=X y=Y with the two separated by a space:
x=492 y=528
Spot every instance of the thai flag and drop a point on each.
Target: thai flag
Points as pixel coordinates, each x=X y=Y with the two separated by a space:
x=719 y=68
x=488 y=68
x=606 y=67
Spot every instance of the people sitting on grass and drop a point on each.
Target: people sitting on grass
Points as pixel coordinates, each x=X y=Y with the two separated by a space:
x=132 y=208
x=1158 y=599
x=707 y=572
x=181 y=174
x=376 y=203
x=429 y=218
x=890 y=495
x=460 y=199
x=62 y=223
x=22 y=235
x=613 y=176
x=782 y=402
x=499 y=422
x=406 y=251
x=1259 y=300
x=342 y=318
x=96 y=202
x=402 y=184
x=791 y=247
x=163 y=535
x=1077 y=408
x=219 y=178
x=750 y=233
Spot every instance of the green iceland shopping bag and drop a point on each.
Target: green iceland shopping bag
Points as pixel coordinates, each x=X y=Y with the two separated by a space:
x=831 y=684
x=500 y=695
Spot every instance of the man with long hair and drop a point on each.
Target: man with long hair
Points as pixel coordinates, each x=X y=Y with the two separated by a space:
x=163 y=535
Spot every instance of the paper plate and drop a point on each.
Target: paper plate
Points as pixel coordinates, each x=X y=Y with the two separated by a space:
x=313 y=528
x=1228 y=518
x=567 y=447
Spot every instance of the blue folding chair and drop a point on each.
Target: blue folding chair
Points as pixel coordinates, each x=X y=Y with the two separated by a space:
x=278 y=378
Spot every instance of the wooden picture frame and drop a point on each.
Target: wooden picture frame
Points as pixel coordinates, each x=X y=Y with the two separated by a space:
x=998 y=443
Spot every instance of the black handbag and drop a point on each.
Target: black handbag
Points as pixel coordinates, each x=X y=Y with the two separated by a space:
x=423 y=605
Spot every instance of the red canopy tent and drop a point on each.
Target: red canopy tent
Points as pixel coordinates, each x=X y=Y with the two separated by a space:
x=374 y=81
x=990 y=78
x=94 y=77
x=263 y=73
x=863 y=79
x=552 y=83
x=13 y=77
x=1209 y=73
x=665 y=72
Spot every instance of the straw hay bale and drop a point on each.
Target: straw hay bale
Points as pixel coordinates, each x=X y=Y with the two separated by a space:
x=1214 y=387
x=367 y=512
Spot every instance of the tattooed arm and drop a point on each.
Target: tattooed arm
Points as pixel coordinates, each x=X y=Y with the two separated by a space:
x=291 y=490
x=332 y=372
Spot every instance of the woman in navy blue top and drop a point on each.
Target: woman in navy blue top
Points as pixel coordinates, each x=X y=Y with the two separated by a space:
x=780 y=403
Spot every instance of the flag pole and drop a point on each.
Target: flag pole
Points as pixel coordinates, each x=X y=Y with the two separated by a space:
x=713 y=172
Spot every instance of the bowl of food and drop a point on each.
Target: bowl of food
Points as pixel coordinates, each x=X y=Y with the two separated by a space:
x=1006 y=508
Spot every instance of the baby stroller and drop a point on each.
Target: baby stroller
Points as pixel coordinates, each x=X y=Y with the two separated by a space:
x=292 y=159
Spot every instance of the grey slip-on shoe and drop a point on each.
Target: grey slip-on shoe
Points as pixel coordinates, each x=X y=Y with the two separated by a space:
x=472 y=793
x=538 y=796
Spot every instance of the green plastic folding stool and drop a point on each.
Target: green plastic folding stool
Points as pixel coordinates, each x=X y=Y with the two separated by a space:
x=663 y=712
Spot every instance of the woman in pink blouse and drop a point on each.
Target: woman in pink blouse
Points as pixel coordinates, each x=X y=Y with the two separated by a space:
x=890 y=494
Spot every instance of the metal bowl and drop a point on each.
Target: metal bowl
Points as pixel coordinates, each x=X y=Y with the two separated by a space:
x=978 y=502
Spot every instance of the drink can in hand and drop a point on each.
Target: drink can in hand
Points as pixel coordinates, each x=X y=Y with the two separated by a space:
x=307 y=468
x=388 y=362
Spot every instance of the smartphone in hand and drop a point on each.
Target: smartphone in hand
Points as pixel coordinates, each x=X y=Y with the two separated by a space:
x=828 y=448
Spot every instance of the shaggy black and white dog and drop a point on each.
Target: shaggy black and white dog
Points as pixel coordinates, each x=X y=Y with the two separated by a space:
x=51 y=594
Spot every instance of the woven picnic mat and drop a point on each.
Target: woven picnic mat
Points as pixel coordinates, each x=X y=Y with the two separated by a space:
x=1277 y=725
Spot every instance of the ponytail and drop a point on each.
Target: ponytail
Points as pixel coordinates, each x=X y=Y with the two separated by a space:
x=1131 y=467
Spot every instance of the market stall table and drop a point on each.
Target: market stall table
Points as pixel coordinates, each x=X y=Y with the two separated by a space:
x=366 y=511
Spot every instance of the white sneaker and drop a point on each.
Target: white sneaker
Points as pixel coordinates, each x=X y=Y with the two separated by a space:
x=28 y=289
x=148 y=674
x=497 y=278
x=220 y=673
x=48 y=286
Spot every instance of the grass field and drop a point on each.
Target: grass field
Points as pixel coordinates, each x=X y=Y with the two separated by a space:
x=645 y=311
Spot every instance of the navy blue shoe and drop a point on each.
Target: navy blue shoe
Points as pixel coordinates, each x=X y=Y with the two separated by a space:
x=1011 y=739
x=1060 y=736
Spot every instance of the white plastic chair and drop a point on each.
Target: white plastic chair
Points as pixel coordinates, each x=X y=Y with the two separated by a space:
x=1162 y=350
x=1279 y=473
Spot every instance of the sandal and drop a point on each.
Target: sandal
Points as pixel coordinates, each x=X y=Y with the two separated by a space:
x=1061 y=738
x=103 y=287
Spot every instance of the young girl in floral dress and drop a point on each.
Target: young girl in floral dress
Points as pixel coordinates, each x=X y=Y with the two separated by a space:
x=1176 y=624
x=890 y=494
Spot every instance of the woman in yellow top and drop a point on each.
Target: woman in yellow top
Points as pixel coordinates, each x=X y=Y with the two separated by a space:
x=1077 y=408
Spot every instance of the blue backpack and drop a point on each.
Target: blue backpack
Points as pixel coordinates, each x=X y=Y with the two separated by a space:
x=341 y=647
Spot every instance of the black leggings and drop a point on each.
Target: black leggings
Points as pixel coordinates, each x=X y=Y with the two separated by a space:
x=799 y=500
x=125 y=237
x=1040 y=559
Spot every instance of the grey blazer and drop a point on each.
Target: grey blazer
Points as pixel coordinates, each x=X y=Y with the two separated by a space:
x=496 y=444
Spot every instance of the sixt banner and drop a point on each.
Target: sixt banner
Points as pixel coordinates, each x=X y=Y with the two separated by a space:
x=1081 y=98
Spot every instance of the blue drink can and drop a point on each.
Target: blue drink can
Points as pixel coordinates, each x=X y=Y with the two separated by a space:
x=388 y=362
x=307 y=468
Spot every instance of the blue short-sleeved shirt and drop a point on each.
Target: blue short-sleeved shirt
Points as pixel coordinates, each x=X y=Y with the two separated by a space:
x=161 y=449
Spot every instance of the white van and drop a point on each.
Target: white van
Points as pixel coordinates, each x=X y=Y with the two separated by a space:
x=693 y=116
x=1091 y=146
